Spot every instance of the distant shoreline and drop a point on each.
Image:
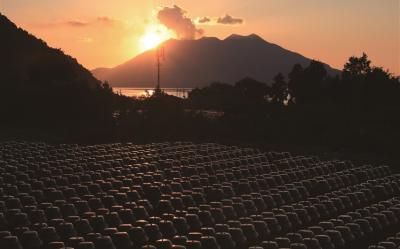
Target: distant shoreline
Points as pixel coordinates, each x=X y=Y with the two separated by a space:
x=145 y=91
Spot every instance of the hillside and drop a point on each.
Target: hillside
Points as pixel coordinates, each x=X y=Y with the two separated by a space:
x=190 y=63
x=27 y=60
x=41 y=87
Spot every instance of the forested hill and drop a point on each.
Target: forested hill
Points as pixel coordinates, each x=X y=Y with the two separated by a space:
x=27 y=60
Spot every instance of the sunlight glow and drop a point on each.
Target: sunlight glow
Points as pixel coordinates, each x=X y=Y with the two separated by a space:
x=154 y=35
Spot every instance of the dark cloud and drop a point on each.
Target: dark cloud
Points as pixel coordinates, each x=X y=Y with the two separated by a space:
x=175 y=19
x=227 y=19
x=204 y=20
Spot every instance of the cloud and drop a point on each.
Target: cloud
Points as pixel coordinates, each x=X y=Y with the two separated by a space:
x=76 y=23
x=86 y=39
x=106 y=20
x=224 y=20
x=227 y=19
x=175 y=19
x=101 y=20
x=204 y=20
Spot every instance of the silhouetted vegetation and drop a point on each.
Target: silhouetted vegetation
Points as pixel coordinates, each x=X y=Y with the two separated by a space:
x=43 y=89
x=356 y=111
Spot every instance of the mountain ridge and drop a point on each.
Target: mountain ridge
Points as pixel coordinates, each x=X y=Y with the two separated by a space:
x=193 y=63
x=25 y=58
x=43 y=87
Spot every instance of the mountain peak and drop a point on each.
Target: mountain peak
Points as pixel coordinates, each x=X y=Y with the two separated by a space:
x=243 y=37
x=6 y=23
x=209 y=38
x=192 y=63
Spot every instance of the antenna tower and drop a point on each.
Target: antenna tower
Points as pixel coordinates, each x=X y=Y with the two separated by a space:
x=160 y=56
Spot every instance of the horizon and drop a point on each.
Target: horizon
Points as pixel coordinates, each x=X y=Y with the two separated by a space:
x=112 y=34
x=251 y=139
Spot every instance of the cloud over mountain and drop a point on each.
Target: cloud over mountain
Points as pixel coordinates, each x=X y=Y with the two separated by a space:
x=175 y=19
x=224 y=20
x=204 y=20
x=227 y=19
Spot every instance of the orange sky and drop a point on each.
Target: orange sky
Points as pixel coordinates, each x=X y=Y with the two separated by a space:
x=103 y=33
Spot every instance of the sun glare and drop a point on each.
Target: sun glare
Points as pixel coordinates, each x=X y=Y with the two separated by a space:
x=154 y=35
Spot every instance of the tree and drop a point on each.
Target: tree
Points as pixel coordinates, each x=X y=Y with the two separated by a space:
x=305 y=85
x=216 y=96
x=367 y=86
x=252 y=89
x=107 y=87
x=315 y=72
x=314 y=77
x=279 y=90
x=251 y=95
x=357 y=66
x=380 y=88
x=295 y=77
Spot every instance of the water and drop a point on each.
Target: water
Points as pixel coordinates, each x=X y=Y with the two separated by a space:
x=143 y=92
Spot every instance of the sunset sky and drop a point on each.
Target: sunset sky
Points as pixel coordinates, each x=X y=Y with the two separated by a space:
x=103 y=33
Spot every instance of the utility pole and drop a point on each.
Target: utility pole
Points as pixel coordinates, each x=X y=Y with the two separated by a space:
x=160 y=57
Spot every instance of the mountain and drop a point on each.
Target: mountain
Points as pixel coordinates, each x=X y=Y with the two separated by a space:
x=190 y=63
x=41 y=86
x=27 y=60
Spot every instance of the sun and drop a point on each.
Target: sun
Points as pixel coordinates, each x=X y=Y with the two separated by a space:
x=154 y=35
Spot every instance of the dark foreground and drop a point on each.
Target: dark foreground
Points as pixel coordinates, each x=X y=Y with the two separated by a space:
x=186 y=195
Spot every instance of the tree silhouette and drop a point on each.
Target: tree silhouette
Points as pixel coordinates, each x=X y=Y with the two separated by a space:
x=252 y=89
x=42 y=87
x=357 y=66
x=279 y=90
x=217 y=96
x=295 y=77
x=367 y=86
x=305 y=85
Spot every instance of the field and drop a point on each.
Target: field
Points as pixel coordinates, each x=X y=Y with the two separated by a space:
x=187 y=195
